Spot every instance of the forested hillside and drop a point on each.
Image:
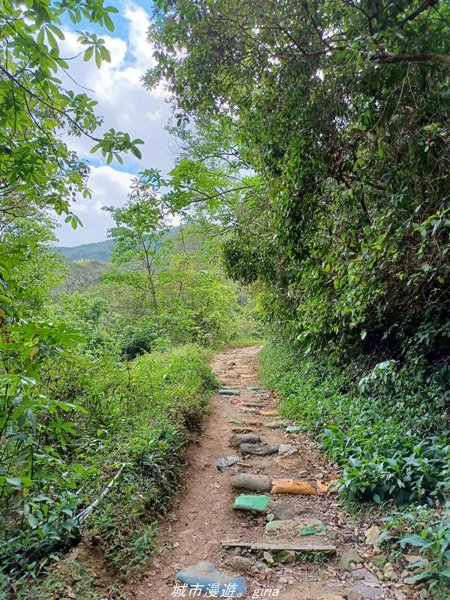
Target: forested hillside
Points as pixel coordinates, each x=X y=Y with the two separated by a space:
x=312 y=187
x=95 y=251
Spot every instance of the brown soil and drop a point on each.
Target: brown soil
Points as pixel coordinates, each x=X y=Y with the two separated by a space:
x=203 y=516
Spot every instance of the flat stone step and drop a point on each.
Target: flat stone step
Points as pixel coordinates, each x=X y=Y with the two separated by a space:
x=326 y=548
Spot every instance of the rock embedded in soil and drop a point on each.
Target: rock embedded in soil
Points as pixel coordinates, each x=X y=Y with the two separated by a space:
x=295 y=528
x=228 y=392
x=313 y=527
x=285 y=556
x=368 y=592
x=249 y=481
x=282 y=511
x=365 y=575
x=349 y=558
x=259 y=449
x=240 y=564
x=287 y=450
x=372 y=535
x=244 y=438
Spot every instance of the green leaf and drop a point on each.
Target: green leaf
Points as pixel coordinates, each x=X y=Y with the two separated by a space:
x=136 y=151
x=14 y=481
x=88 y=54
x=413 y=540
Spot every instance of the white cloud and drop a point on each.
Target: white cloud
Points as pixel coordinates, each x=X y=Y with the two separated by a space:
x=125 y=105
x=109 y=188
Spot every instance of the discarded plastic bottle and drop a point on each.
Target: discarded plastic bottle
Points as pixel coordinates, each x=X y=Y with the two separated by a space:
x=226 y=462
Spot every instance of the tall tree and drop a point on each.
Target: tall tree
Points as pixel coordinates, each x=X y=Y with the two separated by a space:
x=140 y=227
x=341 y=109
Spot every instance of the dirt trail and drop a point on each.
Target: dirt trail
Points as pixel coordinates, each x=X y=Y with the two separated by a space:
x=203 y=515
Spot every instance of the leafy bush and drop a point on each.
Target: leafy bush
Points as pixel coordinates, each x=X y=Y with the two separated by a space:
x=138 y=340
x=390 y=440
x=138 y=414
x=428 y=532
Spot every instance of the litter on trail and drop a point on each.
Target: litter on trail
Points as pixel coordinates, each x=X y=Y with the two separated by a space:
x=252 y=503
x=204 y=577
x=229 y=461
x=270 y=413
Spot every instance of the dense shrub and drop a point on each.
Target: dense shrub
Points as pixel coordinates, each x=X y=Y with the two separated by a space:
x=138 y=414
x=388 y=433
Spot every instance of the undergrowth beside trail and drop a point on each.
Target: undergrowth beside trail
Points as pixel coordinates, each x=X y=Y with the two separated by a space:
x=388 y=434
x=139 y=414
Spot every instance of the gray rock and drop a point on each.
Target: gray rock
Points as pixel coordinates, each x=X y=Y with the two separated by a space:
x=229 y=392
x=244 y=438
x=285 y=556
x=282 y=511
x=365 y=574
x=372 y=535
x=287 y=450
x=249 y=481
x=293 y=429
x=368 y=592
x=349 y=558
x=275 y=526
x=240 y=564
x=259 y=449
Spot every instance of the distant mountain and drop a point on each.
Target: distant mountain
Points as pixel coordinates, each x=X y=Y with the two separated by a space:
x=99 y=250
x=94 y=251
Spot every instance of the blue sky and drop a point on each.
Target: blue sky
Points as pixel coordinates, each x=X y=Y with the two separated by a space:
x=124 y=105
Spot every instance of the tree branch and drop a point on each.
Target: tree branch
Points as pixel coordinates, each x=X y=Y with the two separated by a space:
x=388 y=57
x=420 y=9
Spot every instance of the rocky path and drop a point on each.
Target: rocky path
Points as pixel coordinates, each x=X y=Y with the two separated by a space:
x=203 y=516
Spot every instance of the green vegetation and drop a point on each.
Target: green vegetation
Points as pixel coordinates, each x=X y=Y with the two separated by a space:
x=317 y=134
x=125 y=415
x=386 y=431
x=124 y=397
x=314 y=171
x=428 y=532
x=104 y=367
